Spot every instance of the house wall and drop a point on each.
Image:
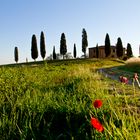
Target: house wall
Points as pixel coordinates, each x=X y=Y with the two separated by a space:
x=101 y=53
x=92 y=52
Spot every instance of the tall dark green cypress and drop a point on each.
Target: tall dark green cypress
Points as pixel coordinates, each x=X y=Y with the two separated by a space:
x=84 y=41
x=97 y=51
x=16 y=54
x=107 y=45
x=63 y=46
x=74 y=51
x=54 y=53
x=34 y=50
x=119 y=48
x=129 y=51
x=42 y=45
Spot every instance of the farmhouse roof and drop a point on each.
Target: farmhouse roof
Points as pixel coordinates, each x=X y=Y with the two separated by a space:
x=102 y=46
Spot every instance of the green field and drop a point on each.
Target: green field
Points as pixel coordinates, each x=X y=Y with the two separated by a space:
x=54 y=101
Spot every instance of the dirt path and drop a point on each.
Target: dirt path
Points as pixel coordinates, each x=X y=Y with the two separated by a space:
x=109 y=72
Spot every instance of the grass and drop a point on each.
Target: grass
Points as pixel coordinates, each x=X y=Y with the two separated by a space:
x=132 y=65
x=54 y=100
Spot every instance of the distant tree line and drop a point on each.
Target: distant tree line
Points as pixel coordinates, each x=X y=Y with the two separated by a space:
x=63 y=47
x=119 y=48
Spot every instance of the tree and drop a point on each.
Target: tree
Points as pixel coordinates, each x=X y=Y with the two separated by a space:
x=97 y=51
x=54 y=54
x=63 y=46
x=107 y=45
x=139 y=50
x=68 y=55
x=129 y=50
x=74 y=51
x=34 y=50
x=84 y=41
x=16 y=54
x=58 y=56
x=42 y=45
x=119 y=48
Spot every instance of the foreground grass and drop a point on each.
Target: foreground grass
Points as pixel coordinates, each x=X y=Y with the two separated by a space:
x=55 y=101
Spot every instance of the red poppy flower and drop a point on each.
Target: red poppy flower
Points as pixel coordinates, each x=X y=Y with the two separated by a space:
x=97 y=103
x=123 y=79
x=96 y=124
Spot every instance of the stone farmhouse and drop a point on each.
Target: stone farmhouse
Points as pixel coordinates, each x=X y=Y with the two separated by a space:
x=92 y=52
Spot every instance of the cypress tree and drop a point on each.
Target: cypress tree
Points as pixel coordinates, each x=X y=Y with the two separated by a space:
x=97 y=51
x=63 y=46
x=129 y=51
x=84 y=41
x=34 y=50
x=119 y=48
x=16 y=54
x=74 y=51
x=139 y=50
x=42 y=45
x=107 y=45
x=54 y=54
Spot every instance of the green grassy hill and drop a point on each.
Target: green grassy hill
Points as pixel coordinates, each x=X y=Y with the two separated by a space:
x=54 y=101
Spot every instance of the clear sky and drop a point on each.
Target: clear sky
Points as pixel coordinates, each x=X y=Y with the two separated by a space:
x=20 y=19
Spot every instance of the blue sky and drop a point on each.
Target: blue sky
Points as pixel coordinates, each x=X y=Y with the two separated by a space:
x=20 y=19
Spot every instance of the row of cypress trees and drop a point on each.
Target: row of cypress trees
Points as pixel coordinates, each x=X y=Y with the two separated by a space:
x=34 y=50
x=63 y=46
x=119 y=48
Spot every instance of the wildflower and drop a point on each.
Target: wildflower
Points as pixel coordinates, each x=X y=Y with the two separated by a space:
x=135 y=76
x=97 y=103
x=123 y=79
x=96 y=124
